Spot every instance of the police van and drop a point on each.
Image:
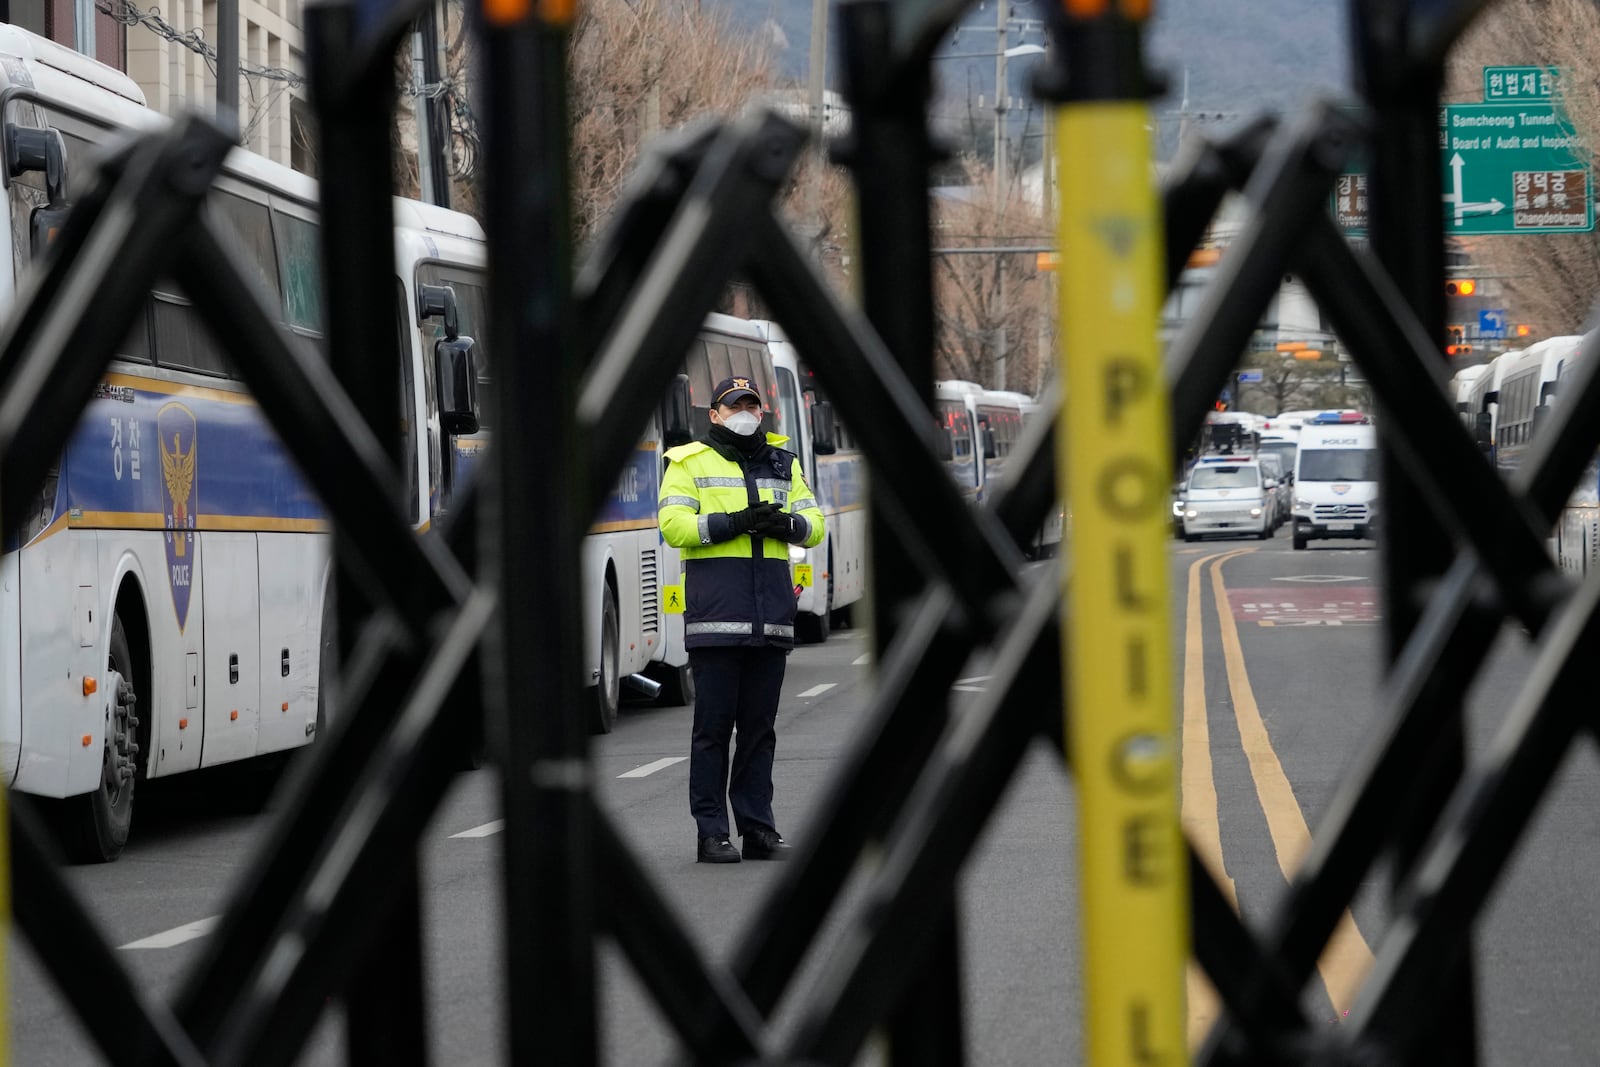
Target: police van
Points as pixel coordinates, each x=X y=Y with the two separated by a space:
x=1226 y=494
x=1336 y=478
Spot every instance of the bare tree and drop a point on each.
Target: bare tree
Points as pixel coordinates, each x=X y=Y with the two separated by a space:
x=643 y=66
x=994 y=315
x=1551 y=280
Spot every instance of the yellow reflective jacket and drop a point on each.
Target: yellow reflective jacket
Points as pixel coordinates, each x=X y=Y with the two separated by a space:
x=738 y=586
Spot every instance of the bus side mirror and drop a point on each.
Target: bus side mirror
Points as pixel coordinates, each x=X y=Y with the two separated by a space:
x=824 y=433
x=436 y=301
x=947 y=444
x=1462 y=407
x=675 y=426
x=456 y=372
x=988 y=443
x=30 y=149
x=1491 y=397
x=1481 y=425
x=1541 y=414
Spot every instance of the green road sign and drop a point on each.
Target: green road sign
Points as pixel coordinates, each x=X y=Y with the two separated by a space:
x=1507 y=168
x=1513 y=85
x=1513 y=168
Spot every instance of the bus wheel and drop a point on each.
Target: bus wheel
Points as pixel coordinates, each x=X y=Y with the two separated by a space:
x=607 y=691
x=97 y=823
x=812 y=629
x=677 y=686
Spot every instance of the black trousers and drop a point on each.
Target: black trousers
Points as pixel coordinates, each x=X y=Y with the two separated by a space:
x=734 y=687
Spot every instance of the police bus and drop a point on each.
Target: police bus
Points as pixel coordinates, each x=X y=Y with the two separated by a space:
x=831 y=576
x=956 y=405
x=164 y=607
x=980 y=429
x=1505 y=405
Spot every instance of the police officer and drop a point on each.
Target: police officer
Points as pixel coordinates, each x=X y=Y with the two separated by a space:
x=732 y=505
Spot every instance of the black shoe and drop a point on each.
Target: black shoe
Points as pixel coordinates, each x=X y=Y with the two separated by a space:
x=766 y=845
x=717 y=850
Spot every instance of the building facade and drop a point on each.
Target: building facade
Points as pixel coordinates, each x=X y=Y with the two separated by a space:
x=170 y=51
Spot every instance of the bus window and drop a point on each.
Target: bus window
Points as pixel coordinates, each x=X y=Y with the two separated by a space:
x=408 y=428
x=299 y=270
x=472 y=320
x=181 y=339
x=250 y=225
x=697 y=365
x=786 y=416
x=719 y=361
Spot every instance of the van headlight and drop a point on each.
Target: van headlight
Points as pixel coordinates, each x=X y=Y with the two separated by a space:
x=1177 y=509
x=1255 y=513
x=1301 y=502
x=1191 y=514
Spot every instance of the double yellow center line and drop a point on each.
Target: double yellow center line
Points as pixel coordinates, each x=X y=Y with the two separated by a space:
x=1347 y=959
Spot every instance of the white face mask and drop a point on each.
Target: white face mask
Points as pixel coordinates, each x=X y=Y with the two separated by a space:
x=743 y=423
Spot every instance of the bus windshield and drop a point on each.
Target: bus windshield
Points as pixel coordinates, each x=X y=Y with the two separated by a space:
x=1339 y=465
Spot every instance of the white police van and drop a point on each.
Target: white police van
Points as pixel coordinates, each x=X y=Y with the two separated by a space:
x=1226 y=494
x=1336 y=478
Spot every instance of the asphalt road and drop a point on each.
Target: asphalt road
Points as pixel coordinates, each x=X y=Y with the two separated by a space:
x=1275 y=693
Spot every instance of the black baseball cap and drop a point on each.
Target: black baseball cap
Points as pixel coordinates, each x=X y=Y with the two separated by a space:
x=730 y=389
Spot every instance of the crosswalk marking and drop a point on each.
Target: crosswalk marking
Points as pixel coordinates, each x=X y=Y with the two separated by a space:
x=817 y=690
x=651 y=768
x=177 y=935
x=483 y=831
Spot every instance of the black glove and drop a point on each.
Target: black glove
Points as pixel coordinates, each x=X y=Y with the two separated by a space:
x=752 y=519
x=786 y=527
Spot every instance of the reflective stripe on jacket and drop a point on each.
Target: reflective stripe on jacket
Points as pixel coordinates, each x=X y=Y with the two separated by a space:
x=738 y=590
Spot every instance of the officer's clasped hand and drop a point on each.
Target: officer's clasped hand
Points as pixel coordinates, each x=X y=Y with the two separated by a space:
x=782 y=527
x=754 y=518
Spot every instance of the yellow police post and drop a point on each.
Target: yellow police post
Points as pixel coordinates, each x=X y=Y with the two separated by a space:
x=1114 y=461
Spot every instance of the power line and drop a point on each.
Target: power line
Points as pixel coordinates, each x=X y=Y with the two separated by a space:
x=127 y=13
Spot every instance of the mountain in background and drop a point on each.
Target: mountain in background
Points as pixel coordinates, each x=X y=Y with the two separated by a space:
x=1241 y=56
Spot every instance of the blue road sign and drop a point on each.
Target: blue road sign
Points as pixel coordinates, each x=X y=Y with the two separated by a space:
x=1492 y=322
x=1249 y=376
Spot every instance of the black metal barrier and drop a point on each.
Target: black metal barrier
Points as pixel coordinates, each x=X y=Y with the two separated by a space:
x=328 y=907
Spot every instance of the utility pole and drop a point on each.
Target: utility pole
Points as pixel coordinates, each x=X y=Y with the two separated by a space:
x=1002 y=93
x=816 y=95
x=227 y=58
x=83 y=26
x=432 y=135
x=1001 y=98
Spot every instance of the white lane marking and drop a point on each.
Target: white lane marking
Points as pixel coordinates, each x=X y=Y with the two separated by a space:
x=651 y=768
x=969 y=681
x=483 y=831
x=817 y=690
x=862 y=660
x=177 y=935
x=967 y=688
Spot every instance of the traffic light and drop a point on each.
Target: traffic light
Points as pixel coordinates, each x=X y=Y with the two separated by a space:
x=1523 y=329
x=1460 y=287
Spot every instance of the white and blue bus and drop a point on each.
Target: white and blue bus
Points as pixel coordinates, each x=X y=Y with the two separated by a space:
x=835 y=574
x=1505 y=404
x=983 y=427
x=164 y=609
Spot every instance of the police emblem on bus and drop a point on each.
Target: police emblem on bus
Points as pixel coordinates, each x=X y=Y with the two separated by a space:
x=1341 y=489
x=175 y=430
